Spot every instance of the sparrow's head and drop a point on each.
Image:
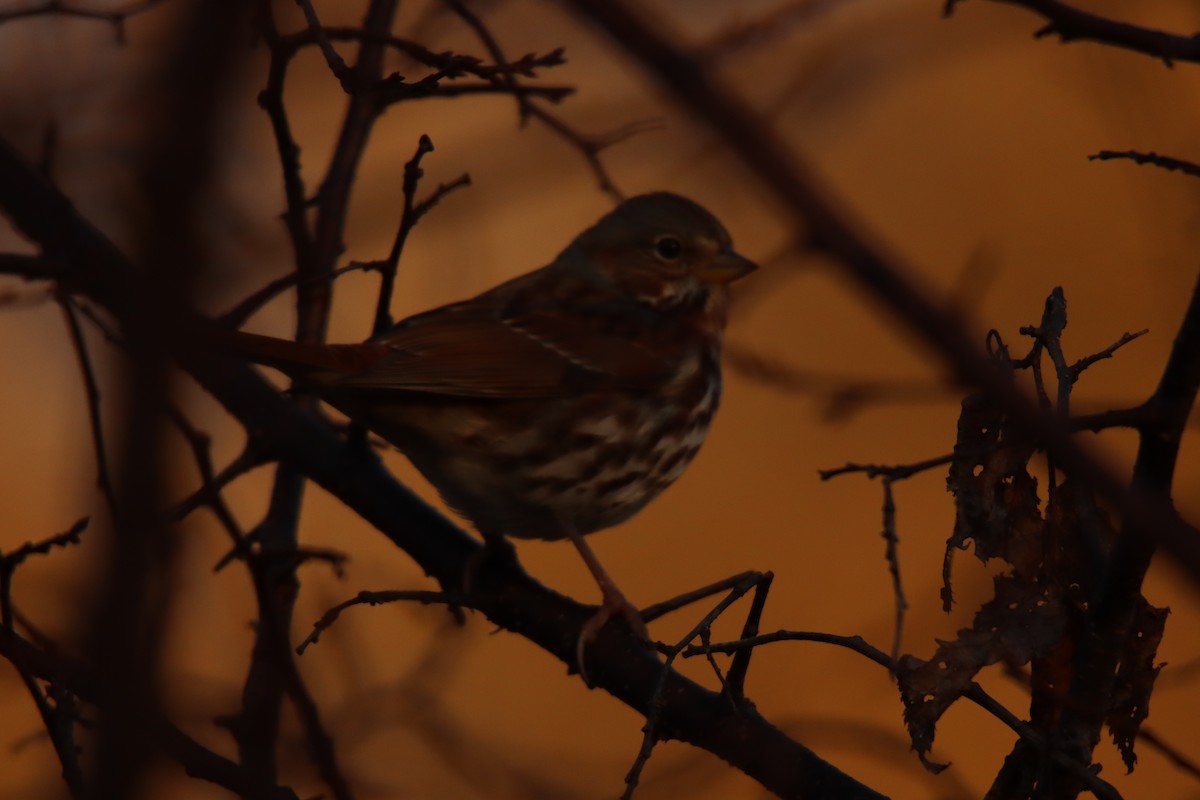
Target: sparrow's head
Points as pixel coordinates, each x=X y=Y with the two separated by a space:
x=663 y=250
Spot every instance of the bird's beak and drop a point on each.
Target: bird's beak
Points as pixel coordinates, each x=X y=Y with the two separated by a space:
x=726 y=267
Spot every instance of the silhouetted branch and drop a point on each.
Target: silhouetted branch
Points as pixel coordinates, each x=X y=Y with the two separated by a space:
x=890 y=472
x=11 y=561
x=74 y=677
x=1079 y=366
x=590 y=147
x=374 y=599
x=409 y=217
x=976 y=693
x=272 y=670
x=92 y=395
x=1111 y=617
x=1071 y=24
x=1165 y=162
x=244 y=309
x=652 y=731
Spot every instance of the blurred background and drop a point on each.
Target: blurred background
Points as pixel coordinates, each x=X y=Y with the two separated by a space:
x=961 y=143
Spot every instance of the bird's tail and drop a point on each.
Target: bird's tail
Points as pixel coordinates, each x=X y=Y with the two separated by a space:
x=300 y=360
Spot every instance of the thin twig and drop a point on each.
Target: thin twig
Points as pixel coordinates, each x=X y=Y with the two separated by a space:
x=334 y=61
x=1083 y=363
x=237 y=316
x=1165 y=162
x=891 y=472
x=735 y=685
x=450 y=64
x=1070 y=24
x=374 y=599
x=653 y=612
x=590 y=147
x=409 y=217
x=92 y=395
x=10 y=562
x=212 y=484
x=893 y=561
x=270 y=99
x=58 y=718
x=654 y=714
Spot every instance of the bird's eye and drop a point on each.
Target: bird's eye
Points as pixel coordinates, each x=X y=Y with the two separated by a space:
x=668 y=248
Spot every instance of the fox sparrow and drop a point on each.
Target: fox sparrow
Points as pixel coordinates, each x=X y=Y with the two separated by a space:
x=560 y=402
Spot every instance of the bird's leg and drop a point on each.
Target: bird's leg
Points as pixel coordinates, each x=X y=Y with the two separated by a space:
x=496 y=551
x=613 y=602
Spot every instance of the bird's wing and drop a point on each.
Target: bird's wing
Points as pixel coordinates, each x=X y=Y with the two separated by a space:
x=474 y=349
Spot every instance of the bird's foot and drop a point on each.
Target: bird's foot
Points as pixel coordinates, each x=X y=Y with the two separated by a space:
x=614 y=604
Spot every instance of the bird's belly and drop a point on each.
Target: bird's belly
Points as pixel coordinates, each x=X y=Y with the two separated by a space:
x=590 y=469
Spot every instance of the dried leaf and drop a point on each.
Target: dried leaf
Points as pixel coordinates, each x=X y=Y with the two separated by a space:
x=1135 y=679
x=995 y=497
x=1024 y=620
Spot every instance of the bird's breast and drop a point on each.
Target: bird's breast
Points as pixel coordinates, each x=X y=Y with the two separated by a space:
x=623 y=452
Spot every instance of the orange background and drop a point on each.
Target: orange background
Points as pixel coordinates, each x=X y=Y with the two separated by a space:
x=960 y=143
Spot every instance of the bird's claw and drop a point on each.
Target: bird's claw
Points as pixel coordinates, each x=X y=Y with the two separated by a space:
x=614 y=604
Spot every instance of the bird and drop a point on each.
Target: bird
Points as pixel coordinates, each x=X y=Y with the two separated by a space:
x=558 y=403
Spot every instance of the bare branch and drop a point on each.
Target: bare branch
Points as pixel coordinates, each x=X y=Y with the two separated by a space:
x=10 y=562
x=1083 y=363
x=1101 y=788
x=890 y=473
x=63 y=674
x=590 y=147
x=1071 y=24
x=92 y=394
x=374 y=599
x=651 y=731
x=411 y=214
x=1165 y=162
